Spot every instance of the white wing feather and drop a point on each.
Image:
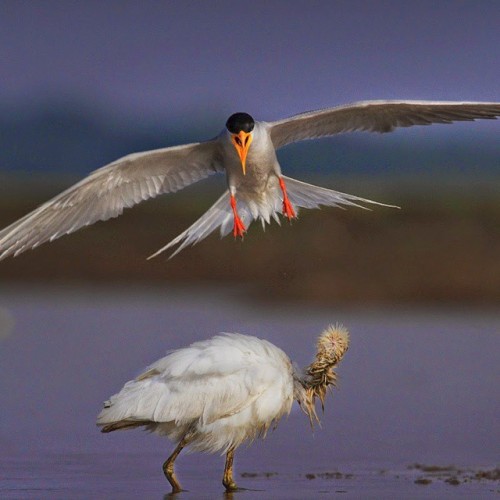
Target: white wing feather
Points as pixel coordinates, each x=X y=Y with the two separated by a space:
x=376 y=116
x=107 y=191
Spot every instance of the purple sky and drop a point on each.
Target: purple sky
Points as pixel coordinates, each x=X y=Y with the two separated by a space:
x=270 y=58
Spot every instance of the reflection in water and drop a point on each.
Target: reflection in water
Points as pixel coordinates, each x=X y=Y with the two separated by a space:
x=225 y=495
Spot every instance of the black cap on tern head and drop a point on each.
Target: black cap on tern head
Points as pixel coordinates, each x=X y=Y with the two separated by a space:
x=240 y=121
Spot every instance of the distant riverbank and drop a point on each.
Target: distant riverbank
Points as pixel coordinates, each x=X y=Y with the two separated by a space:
x=441 y=247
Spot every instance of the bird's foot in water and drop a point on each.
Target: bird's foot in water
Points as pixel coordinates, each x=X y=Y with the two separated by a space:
x=239 y=228
x=230 y=486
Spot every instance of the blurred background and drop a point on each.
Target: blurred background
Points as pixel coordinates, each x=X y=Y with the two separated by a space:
x=85 y=82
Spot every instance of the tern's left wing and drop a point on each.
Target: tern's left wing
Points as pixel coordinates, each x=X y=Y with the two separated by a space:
x=107 y=191
x=376 y=116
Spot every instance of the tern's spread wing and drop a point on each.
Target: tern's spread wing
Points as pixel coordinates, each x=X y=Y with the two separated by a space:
x=107 y=191
x=376 y=116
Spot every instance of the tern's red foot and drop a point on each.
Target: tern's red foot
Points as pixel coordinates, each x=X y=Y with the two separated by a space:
x=239 y=228
x=288 y=210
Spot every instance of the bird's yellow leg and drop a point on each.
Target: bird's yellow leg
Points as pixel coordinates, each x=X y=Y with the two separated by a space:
x=288 y=210
x=239 y=228
x=168 y=467
x=227 y=479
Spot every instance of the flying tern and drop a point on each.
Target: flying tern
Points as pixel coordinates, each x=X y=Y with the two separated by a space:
x=245 y=151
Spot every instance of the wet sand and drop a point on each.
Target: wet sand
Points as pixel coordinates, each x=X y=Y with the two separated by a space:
x=136 y=476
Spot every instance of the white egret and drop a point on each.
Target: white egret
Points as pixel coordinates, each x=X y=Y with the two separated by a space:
x=246 y=151
x=215 y=394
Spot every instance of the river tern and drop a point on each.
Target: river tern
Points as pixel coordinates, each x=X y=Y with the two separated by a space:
x=245 y=151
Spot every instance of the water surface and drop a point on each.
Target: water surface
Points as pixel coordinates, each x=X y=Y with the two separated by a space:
x=416 y=386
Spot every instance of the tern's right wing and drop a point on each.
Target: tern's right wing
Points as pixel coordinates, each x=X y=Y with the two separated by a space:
x=107 y=191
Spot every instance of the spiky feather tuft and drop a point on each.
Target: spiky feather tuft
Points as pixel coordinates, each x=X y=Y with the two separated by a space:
x=320 y=374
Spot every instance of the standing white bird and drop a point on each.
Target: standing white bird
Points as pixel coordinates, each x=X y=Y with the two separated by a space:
x=218 y=393
x=246 y=151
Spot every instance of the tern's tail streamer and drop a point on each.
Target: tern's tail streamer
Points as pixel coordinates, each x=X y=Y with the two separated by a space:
x=269 y=204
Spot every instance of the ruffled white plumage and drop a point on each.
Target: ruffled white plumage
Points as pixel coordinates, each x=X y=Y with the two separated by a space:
x=223 y=391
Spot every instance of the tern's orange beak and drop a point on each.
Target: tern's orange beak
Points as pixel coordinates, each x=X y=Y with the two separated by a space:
x=241 y=142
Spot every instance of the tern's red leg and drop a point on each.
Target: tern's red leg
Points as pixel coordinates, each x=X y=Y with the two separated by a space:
x=287 y=206
x=238 y=228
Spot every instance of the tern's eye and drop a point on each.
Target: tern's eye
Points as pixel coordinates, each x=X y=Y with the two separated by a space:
x=246 y=140
x=237 y=140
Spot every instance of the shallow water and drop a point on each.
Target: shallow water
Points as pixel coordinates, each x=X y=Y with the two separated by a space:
x=417 y=386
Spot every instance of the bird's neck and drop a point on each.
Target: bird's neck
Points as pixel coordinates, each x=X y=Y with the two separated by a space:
x=316 y=378
x=313 y=383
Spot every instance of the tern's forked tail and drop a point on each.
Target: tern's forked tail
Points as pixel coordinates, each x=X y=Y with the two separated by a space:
x=269 y=204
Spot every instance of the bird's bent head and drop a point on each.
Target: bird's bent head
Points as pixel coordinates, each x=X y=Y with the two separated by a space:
x=320 y=374
x=240 y=126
